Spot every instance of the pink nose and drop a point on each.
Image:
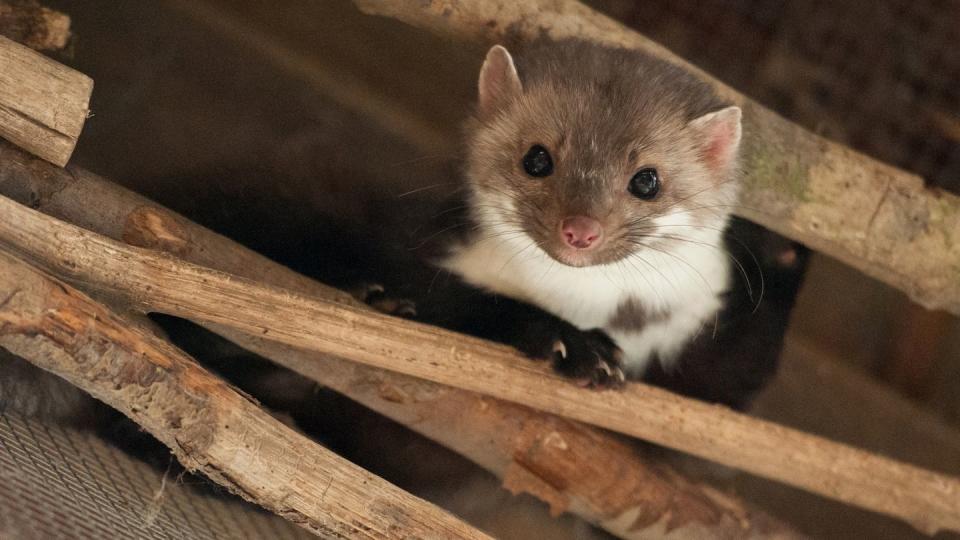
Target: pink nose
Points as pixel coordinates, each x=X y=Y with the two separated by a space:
x=581 y=232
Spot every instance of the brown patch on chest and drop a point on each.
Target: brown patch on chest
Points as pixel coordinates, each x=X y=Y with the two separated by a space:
x=632 y=316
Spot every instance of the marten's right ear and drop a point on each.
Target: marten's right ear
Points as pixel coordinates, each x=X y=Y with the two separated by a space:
x=499 y=82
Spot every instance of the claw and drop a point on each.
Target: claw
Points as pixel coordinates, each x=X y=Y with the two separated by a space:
x=374 y=295
x=606 y=368
x=395 y=306
x=364 y=291
x=560 y=348
x=408 y=309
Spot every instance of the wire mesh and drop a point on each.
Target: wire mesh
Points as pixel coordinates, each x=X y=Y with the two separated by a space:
x=56 y=482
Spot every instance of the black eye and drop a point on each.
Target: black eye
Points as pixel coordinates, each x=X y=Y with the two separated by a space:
x=537 y=162
x=645 y=184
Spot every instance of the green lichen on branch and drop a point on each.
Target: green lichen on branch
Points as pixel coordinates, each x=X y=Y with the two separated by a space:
x=767 y=172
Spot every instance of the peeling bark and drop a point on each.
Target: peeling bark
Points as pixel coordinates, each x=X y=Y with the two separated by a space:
x=208 y=425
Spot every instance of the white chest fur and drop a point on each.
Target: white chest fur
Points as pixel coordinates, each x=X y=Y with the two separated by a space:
x=681 y=285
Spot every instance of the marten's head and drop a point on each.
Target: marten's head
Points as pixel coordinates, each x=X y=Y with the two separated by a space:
x=594 y=154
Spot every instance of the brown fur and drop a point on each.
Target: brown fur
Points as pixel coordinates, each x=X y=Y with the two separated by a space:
x=631 y=315
x=603 y=114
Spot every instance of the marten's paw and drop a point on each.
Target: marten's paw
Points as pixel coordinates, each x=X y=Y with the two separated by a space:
x=376 y=297
x=589 y=357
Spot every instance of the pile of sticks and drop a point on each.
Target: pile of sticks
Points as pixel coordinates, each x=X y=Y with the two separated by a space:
x=82 y=260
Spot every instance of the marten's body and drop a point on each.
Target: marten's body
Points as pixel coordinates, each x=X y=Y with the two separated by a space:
x=592 y=227
x=599 y=187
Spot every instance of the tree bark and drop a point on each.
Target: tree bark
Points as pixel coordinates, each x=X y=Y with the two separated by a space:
x=600 y=479
x=208 y=425
x=873 y=217
x=43 y=104
x=37 y=27
x=570 y=466
x=158 y=282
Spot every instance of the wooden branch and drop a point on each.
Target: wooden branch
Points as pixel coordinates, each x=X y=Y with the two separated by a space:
x=37 y=27
x=611 y=485
x=43 y=104
x=570 y=466
x=873 y=217
x=158 y=282
x=208 y=425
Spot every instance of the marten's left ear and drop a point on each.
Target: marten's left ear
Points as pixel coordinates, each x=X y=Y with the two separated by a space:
x=499 y=82
x=719 y=137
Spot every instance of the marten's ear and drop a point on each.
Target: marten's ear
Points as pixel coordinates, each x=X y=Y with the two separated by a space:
x=718 y=135
x=499 y=82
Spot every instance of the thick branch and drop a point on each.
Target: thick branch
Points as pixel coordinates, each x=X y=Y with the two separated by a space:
x=572 y=467
x=43 y=104
x=158 y=282
x=874 y=217
x=208 y=425
x=37 y=27
x=598 y=478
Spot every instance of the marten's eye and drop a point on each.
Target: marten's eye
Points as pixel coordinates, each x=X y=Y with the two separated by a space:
x=645 y=184
x=537 y=162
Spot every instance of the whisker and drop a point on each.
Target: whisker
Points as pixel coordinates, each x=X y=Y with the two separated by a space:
x=427 y=157
x=437 y=233
x=742 y=269
x=630 y=260
x=512 y=257
x=695 y=194
x=425 y=188
x=690 y=266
